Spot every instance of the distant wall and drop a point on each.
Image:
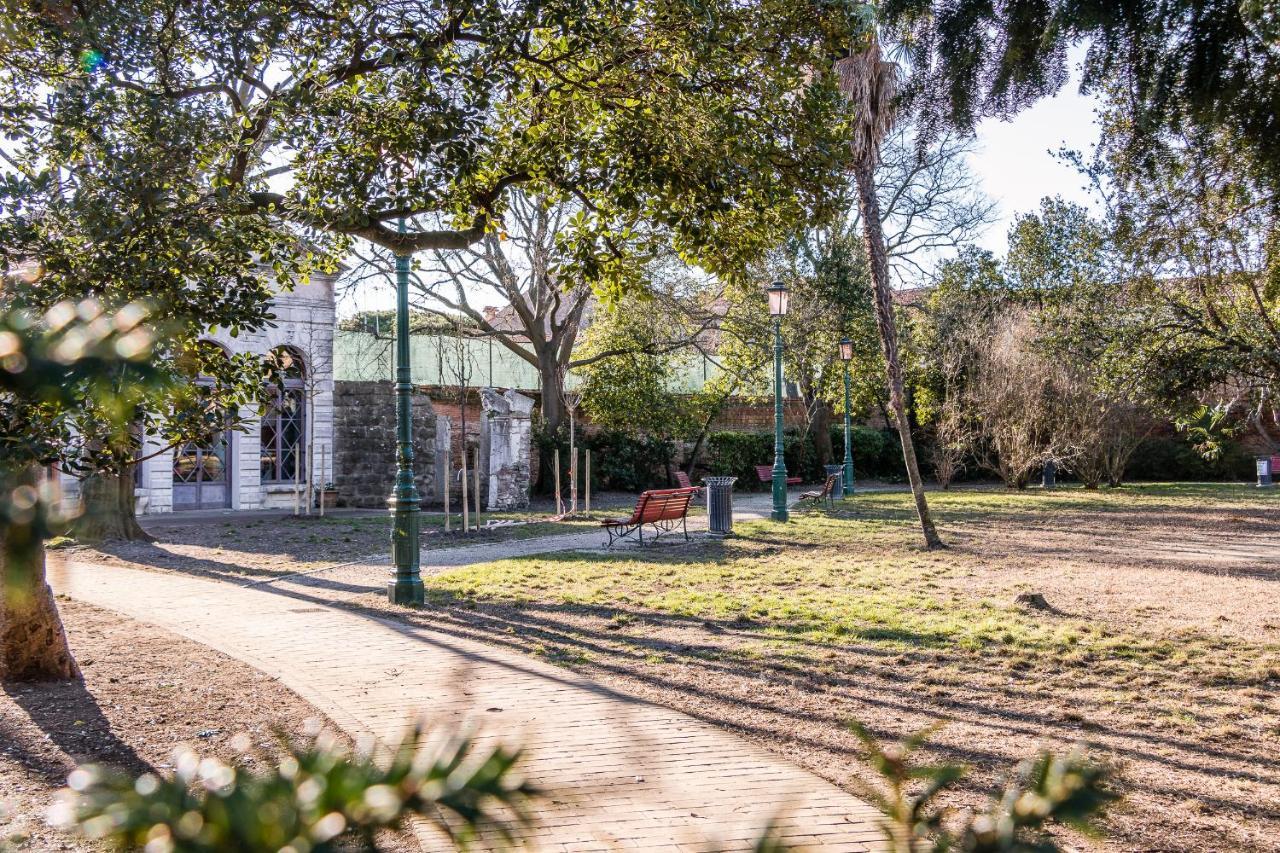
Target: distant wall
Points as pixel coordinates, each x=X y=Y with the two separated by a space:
x=364 y=459
x=435 y=359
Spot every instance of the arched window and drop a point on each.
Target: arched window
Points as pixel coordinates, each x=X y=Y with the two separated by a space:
x=200 y=474
x=283 y=424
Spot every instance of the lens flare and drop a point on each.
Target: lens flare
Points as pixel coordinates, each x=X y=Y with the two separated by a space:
x=91 y=61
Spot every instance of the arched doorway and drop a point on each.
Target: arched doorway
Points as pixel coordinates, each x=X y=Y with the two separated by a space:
x=201 y=469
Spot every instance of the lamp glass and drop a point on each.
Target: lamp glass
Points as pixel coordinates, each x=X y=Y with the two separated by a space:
x=846 y=350
x=779 y=299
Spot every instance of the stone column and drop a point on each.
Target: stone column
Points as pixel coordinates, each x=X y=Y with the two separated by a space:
x=505 y=432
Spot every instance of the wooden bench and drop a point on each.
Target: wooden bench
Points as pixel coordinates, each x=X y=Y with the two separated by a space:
x=683 y=482
x=661 y=509
x=765 y=473
x=826 y=493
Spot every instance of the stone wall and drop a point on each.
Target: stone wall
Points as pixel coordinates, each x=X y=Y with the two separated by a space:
x=364 y=460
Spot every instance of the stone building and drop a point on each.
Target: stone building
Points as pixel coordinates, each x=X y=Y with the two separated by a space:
x=267 y=463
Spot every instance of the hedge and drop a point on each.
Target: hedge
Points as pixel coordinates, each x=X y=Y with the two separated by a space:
x=875 y=455
x=1171 y=457
x=624 y=462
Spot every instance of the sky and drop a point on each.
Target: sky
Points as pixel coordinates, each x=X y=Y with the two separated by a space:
x=1014 y=161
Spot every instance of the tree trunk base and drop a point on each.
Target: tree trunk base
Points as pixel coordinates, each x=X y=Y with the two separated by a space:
x=107 y=511
x=33 y=644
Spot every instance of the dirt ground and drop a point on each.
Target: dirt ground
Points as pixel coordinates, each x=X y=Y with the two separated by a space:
x=145 y=692
x=1161 y=652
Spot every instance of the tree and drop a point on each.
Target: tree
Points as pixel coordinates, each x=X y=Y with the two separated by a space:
x=1018 y=398
x=1203 y=67
x=1184 y=315
x=870 y=82
x=969 y=294
x=351 y=117
x=628 y=379
x=53 y=368
x=1062 y=264
x=106 y=195
x=929 y=204
x=546 y=307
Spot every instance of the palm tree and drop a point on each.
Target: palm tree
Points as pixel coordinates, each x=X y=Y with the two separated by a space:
x=870 y=82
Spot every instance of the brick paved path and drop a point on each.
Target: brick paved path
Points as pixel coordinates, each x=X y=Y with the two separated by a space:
x=624 y=774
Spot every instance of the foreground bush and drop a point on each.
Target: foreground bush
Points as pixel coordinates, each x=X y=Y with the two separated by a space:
x=315 y=797
x=318 y=798
x=1069 y=789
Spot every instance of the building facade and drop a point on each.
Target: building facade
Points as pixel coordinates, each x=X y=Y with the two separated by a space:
x=267 y=462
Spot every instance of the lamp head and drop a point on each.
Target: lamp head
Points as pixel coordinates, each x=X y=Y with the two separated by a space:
x=779 y=299
x=846 y=349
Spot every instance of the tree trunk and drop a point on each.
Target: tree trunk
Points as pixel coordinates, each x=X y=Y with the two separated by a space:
x=33 y=645
x=820 y=429
x=552 y=399
x=552 y=413
x=706 y=427
x=108 y=509
x=869 y=205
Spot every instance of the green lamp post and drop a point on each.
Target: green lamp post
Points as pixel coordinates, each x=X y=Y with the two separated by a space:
x=405 y=586
x=846 y=355
x=778 y=301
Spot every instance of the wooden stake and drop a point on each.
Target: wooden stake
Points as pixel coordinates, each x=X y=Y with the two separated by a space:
x=466 y=516
x=476 y=475
x=556 y=465
x=297 y=482
x=448 y=475
x=586 y=483
x=573 y=468
x=322 y=495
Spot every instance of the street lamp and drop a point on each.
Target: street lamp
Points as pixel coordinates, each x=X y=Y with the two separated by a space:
x=405 y=586
x=778 y=301
x=846 y=355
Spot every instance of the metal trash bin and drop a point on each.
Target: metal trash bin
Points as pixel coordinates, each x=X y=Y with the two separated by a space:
x=838 y=492
x=1050 y=476
x=1264 y=472
x=719 y=504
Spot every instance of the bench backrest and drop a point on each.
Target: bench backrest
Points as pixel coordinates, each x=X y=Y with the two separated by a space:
x=830 y=485
x=661 y=505
x=764 y=472
x=683 y=480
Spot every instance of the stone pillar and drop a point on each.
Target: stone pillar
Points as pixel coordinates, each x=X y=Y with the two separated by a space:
x=443 y=458
x=505 y=433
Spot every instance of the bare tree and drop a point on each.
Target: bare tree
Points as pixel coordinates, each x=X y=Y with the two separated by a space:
x=1101 y=430
x=1018 y=397
x=542 y=313
x=930 y=201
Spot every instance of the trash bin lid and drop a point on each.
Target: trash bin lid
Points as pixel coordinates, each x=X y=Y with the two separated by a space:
x=719 y=481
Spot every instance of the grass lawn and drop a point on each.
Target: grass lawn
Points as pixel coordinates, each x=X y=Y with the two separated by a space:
x=1161 y=651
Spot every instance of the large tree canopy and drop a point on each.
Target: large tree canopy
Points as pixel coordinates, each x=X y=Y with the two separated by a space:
x=1178 y=65
x=341 y=117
